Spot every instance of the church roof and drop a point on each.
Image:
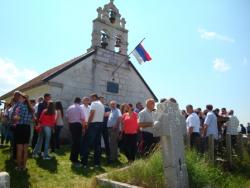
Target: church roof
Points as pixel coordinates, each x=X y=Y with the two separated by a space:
x=51 y=73
x=48 y=75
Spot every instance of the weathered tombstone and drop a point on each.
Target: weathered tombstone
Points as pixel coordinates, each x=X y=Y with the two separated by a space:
x=229 y=149
x=232 y=126
x=211 y=149
x=239 y=145
x=187 y=140
x=4 y=180
x=169 y=124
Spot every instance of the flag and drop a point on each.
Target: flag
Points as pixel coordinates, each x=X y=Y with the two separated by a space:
x=141 y=54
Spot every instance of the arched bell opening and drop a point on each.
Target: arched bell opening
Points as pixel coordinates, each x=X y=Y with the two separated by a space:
x=104 y=39
x=118 y=43
x=112 y=16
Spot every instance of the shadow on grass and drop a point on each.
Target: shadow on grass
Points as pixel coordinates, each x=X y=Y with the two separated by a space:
x=63 y=150
x=18 y=178
x=4 y=146
x=5 y=149
x=49 y=165
x=91 y=170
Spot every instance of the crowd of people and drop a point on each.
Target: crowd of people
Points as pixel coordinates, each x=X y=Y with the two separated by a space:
x=200 y=124
x=126 y=129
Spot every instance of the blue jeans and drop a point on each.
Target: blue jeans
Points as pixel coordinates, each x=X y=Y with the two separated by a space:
x=93 y=138
x=44 y=134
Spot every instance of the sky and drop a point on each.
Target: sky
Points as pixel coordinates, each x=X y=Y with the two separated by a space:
x=200 y=49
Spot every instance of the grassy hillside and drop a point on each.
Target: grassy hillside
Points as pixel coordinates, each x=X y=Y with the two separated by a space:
x=149 y=173
x=57 y=172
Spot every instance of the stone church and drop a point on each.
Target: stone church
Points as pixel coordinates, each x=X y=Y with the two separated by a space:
x=105 y=69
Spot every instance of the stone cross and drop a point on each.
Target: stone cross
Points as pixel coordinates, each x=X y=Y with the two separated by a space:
x=170 y=125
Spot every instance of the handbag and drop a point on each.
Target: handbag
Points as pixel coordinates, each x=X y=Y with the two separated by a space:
x=38 y=128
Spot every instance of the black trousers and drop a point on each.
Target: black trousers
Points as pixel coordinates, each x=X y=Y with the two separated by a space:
x=76 y=133
x=130 y=146
x=105 y=135
x=149 y=142
x=92 y=138
x=55 y=138
x=195 y=141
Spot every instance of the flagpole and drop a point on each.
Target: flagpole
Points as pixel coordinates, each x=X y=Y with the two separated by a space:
x=126 y=58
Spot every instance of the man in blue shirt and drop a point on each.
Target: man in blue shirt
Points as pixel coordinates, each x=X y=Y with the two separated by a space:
x=210 y=125
x=113 y=125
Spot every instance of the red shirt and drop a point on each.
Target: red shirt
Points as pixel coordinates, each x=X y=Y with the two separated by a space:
x=47 y=120
x=130 y=123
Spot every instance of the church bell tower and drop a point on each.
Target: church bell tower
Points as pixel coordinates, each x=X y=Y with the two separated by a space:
x=109 y=30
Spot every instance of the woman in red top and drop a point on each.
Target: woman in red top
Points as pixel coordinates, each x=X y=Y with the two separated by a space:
x=47 y=121
x=130 y=129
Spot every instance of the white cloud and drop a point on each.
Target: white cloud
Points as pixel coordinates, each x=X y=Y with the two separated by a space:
x=12 y=76
x=210 y=35
x=245 y=62
x=220 y=65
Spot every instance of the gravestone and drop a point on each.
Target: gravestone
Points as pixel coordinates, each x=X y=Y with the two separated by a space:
x=4 y=180
x=232 y=130
x=169 y=124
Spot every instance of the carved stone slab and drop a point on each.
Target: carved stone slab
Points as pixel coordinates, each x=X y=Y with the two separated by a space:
x=170 y=125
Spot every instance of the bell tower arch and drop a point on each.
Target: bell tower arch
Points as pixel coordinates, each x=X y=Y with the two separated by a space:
x=109 y=30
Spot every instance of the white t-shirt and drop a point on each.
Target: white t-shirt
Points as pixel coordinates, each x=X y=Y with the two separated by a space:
x=86 y=111
x=99 y=109
x=146 y=116
x=193 y=120
x=59 y=119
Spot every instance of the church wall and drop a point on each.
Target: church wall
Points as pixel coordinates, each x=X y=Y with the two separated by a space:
x=92 y=75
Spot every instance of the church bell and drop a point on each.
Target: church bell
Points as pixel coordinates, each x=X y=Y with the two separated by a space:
x=112 y=16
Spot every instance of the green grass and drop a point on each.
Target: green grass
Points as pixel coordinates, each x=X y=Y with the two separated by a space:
x=57 y=172
x=149 y=173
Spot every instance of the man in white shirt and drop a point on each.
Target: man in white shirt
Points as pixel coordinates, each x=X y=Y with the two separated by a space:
x=193 y=127
x=86 y=110
x=86 y=107
x=93 y=132
x=145 y=121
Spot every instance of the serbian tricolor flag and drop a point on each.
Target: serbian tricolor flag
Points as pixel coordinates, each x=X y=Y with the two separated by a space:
x=141 y=54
